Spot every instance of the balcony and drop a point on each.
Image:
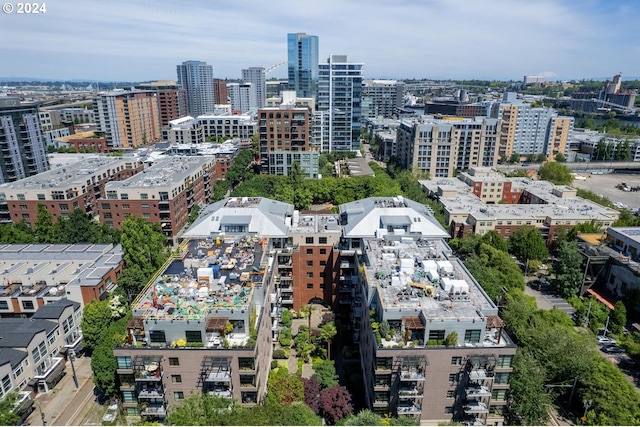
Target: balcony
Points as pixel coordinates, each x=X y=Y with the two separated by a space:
x=477 y=391
x=475 y=408
x=23 y=403
x=57 y=365
x=225 y=392
x=153 y=410
x=406 y=408
x=411 y=375
x=480 y=374
x=150 y=371
x=151 y=393
x=411 y=391
x=219 y=376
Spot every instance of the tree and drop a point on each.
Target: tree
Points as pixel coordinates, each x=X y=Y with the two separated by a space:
x=526 y=243
x=527 y=400
x=199 y=409
x=143 y=244
x=307 y=310
x=362 y=418
x=96 y=319
x=568 y=269
x=556 y=173
x=283 y=388
x=327 y=332
x=335 y=404
x=7 y=416
x=43 y=228
x=493 y=238
x=560 y=158
x=325 y=373
x=514 y=158
x=618 y=317
x=104 y=365
x=312 y=393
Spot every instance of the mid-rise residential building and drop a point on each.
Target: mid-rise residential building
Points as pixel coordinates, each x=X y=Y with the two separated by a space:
x=228 y=126
x=129 y=119
x=77 y=115
x=164 y=193
x=23 y=146
x=62 y=190
x=396 y=270
x=82 y=142
x=285 y=133
x=172 y=99
x=196 y=77
x=211 y=328
x=302 y=56
x=185 y=130
x=532 y=130
x=382 y=97
x=37 y=275
x=220 y=95
x=441 y=148
x=340 y=99
x=526 y=203
x=256 y=76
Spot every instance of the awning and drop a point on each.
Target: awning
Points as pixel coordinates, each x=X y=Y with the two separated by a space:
x=600 y=298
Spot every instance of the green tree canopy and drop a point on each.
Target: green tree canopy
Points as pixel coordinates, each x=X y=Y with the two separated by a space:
x=96 y=319
x=568 y=269
x=7 y=416
x=528 y=400
x=526 y=243
x=556 y=173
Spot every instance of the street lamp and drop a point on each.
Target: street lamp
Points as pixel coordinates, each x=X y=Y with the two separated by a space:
x=44 y=422
x=587 y=404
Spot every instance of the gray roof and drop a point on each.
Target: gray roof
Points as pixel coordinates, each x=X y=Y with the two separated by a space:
x=12 y=356
x=364 y=217
x=54 y=309
x=18 y=333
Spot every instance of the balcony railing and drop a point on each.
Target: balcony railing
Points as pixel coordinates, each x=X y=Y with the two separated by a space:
x=151 y=393
x=475 y=408
x=478 y=391
x=158 y=410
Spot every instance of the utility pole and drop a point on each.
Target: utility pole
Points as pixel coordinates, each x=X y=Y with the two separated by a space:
x=44 y=422
x=72 y=356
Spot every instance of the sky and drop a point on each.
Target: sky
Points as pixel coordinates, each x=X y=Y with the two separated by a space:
x=141 y=40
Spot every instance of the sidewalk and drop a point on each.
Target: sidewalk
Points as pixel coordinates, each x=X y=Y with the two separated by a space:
x=56 y=401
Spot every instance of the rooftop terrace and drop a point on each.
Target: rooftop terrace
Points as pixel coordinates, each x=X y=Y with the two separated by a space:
x=214 y=276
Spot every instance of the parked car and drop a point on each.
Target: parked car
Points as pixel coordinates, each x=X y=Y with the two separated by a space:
x=540 y=285
x=612 y=349
x=605 y=340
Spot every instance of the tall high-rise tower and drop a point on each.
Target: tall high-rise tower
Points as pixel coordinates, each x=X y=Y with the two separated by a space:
x=196 y=78
x=340 y=101
x=256 y=76
x=303 y=64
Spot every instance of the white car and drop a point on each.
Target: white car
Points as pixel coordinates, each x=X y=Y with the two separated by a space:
x=605 y=340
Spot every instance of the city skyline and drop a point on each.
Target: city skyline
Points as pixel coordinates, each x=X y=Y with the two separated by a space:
x=488 y=39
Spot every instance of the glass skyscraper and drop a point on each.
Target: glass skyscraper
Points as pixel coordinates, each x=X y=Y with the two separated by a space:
x=303 y=64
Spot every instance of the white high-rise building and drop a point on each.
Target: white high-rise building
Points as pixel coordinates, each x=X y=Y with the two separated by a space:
x=256 y=76
x=340 y=96
x=242 y=97
x=196 y=77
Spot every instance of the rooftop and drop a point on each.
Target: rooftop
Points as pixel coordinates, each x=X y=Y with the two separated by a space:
x=165 y=172
x=66 y=177
x=215 y=276
x=315 y=223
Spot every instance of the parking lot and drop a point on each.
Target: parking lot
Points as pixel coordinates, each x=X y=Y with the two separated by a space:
x=605 y=185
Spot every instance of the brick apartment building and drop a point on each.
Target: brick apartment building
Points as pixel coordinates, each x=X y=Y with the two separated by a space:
x=62 y=190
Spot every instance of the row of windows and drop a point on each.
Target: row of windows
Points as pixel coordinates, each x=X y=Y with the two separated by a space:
x=321 y=240
x=323 y=251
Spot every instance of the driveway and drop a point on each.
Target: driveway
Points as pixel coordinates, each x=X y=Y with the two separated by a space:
x=548 y=299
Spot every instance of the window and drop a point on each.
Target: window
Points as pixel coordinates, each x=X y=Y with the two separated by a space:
x=23 y=207
x=193 y=336
x=502 y=378
x=456 y=360
x=309 y=251
x=453 y=378
x=451 y=394
x=146 y=215
x=448 y=409
x=498 y=394
x=323 y=251
x=309 y=285
x=124 y=196
x=144 y=196
x=436 y=335
x=472 y=335
x=107 y=215
x=64 y=207
x=323 y=263
x=174 y=361
x=125 y=206
x=124 y=362
x=4 y=305
x=145 y=206
x=106 y=206
x=129 y=397
x=27 y=305
x=5 y=387
x=178 y=395
x=309 y=263
x=17 y=372
x=310 y=274
x=505 y=361
x=322 y=240
x=39 y=352
x=309 y=240
x=176 y=378
x=157 y=336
